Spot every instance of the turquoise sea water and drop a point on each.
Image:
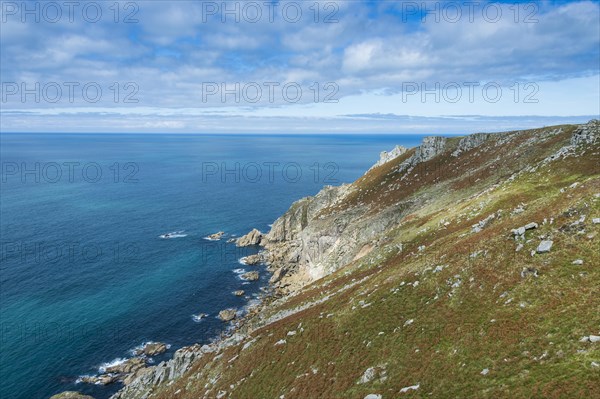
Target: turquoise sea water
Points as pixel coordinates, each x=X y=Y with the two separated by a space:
x=84 y=276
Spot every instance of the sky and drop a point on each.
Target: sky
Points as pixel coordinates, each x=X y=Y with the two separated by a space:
x=297 y=66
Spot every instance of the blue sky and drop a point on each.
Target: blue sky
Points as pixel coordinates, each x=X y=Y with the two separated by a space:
x=298 y=67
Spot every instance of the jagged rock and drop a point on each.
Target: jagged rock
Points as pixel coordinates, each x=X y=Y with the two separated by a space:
x=71 y=395
x=252 y=238
x=128 y=366
x=577 y=262
x=596 y=220
x=252 y=259
x=432 y=146
x=216 y=236
x=239 y=292
x=544 y=246
x=469 y=142
x=152 y=349
x=250 y=276
x=227 y=314
x=385 y=157
x=587 y=133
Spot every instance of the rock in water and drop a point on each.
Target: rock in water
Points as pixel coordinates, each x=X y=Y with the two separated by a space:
x=251 y=276
x=544 y=246
x=71 y=395
x=216 y=236
x=239 y=292
x=252 y=238
x=227 y=314
x=152 y=349
x=252 y=259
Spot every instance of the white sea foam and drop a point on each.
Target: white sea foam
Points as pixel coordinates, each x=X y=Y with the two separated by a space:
x=239 y=271
x=173 y=234
x=112 y=363
x=78 y=380
x=242 y=261
x=198 y=317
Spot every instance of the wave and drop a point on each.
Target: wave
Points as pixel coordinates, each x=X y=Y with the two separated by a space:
x=173 y=234
x=242 y=261
x=112 y=363
x=239 y=271
x=199 y=317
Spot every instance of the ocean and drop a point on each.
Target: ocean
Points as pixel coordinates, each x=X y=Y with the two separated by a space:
x=84 y=275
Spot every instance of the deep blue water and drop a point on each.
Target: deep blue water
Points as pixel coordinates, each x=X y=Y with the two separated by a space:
x=84 y=276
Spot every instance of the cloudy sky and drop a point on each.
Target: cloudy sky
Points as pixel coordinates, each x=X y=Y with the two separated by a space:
x=297 y=66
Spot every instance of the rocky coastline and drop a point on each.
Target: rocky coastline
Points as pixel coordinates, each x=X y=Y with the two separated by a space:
x=314 y=238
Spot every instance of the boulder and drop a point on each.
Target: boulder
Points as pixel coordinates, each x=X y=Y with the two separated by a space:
x=250 y=276
x=227 y=314
x=252 y=238
x=544 y=246
x=529 y=271
x=239 y=292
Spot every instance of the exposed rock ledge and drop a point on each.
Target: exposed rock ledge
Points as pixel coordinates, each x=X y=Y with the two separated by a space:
x=253 y=238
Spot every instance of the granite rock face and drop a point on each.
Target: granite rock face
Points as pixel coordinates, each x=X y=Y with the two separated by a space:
x=587 y=133
x=307 y=243
x=252 y=238
x=469 y=142
x=385 y=156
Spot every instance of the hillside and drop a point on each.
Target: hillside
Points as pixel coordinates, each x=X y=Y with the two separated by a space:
x=465 y=267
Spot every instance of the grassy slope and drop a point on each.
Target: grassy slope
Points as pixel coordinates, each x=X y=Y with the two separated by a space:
x=476 y=313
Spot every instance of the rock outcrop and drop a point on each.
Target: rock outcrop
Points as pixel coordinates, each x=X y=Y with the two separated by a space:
x=252 y=238
x=250 y=276
x=227 y=314
x=587 y=133
x=307 y=243
x=469 y=142
x=151 y=349
x=385 y=156
x=216 y=236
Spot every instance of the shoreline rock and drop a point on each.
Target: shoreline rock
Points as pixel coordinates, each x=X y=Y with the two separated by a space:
x=216 y=236
x=250 y=276
x=151 y=349
x=227 y=314
x=254 y=237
